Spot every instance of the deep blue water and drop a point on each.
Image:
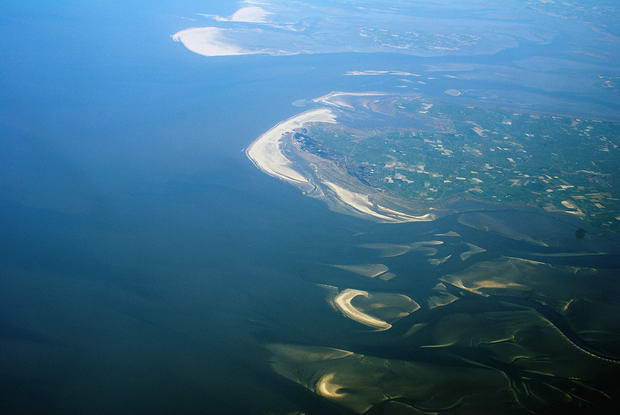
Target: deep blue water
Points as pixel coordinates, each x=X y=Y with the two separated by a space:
x=140 y=251
x=137 y=240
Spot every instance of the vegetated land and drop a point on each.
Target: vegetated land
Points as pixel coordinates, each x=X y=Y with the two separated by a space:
x=558 y=163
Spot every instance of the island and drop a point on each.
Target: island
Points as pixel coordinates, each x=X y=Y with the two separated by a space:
x=393 y=157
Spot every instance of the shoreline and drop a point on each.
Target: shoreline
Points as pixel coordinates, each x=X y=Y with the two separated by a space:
x=209 y=41
x=266 y=152
x=340 y=192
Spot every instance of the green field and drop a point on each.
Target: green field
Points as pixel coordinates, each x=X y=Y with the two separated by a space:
x=458 y=152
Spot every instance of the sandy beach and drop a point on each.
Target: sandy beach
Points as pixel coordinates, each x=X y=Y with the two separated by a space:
x=266 y=152
x=208 y=41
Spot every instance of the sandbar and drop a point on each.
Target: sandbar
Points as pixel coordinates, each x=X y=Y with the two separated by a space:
x=306 y=353
x=366 y=270
x=209 y=41
x=361 y=203
x=343 y=303
x=569 y=205
x=450 y=234
x=335 y=98
x=388 y=250
x=439 y=261
x=357 y=201
x=473 y=250
x=327 y=388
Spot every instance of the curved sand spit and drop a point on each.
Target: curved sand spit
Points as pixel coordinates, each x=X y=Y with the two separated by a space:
x=343 y=303
x=266 y=151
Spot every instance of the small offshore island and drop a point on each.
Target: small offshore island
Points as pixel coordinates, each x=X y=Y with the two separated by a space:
x=406 y=157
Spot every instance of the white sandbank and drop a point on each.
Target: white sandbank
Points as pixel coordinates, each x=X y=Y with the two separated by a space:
x=266 y=151
x=209 y=41
x=343 y=303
